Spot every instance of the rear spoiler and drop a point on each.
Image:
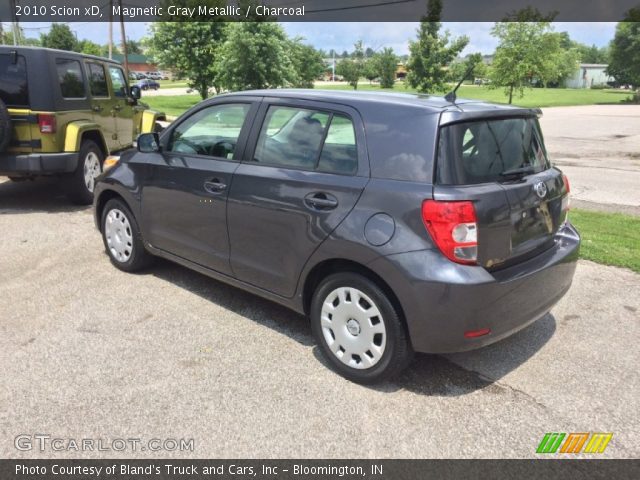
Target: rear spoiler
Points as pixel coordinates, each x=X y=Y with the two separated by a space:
x=470 y=114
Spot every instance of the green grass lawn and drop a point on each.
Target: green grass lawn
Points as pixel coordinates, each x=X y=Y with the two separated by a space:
x=173 y=105
x=609 y=238
x=172 y=83
x=535 y=97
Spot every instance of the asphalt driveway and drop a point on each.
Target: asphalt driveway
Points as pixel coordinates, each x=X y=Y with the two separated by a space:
x=87 y=351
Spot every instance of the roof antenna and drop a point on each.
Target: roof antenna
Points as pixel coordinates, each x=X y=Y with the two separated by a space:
x=451 y=96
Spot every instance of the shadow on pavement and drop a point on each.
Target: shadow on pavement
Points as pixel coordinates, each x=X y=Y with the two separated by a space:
x=39 y=195
x=261 y=311
x=434 y=375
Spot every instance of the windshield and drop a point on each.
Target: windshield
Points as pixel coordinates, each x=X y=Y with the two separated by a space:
x=13 y=81
x=484 y=151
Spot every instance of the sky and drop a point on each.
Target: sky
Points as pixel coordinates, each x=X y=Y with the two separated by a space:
x=341 y=36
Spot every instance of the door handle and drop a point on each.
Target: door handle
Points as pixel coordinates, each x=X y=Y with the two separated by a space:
x=97 y=108
x=117 y=108
x=214 y=186
x=321 y=201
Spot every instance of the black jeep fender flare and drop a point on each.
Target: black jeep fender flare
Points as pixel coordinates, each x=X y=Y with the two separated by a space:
x=5 y=127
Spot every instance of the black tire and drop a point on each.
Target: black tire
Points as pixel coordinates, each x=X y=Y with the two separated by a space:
x=6 y=129
x=138 y=258
x=77 y=189
x=397 y=352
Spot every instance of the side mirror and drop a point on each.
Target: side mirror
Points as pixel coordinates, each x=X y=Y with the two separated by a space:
x=149 y=143
x=135 y=92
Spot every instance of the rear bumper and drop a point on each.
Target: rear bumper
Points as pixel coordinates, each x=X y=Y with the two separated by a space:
x=442 y=300
x=26 y=164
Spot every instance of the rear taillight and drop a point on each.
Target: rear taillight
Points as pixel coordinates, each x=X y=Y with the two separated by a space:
x=454 y=229
x=566 y=200
x=47 y=123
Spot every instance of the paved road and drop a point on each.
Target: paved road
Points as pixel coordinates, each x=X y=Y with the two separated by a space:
x=88 y=351
x=598 y=146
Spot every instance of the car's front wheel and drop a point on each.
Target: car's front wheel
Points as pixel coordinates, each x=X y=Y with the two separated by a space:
x=358 y=329
x=122 y=238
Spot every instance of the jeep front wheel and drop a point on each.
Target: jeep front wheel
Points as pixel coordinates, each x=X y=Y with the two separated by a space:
x=83 y=181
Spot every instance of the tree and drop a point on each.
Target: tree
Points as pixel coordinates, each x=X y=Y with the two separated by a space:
x=385 y=65
x=60 y=36
x=624 y=63
x=432 y=52
x=190 y=49
x=88 y=47
x=592 y=54
x=134 y=47
x=104 y=50
x=353 y=68
x=255 y=55
x=528 y=51
x=460 y=69
x=308 y=63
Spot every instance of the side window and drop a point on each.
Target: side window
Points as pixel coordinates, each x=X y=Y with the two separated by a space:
x=339 y=152
x=118 y=82
x=307 y=139
x=97 y=80
x=70 y=78
x=212 y=131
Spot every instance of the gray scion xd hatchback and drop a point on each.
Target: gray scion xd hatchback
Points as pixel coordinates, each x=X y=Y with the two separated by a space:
x=396 y=223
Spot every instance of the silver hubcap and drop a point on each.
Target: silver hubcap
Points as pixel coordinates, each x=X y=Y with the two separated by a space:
x=353 y=328
x=91 y=170
x=117 y=231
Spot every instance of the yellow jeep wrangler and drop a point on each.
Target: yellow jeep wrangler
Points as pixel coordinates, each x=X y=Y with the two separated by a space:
x=63 y=113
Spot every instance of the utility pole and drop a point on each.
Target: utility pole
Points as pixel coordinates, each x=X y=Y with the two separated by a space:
x=14 y=22
x=124 y=42
x=333 y=66
x=110 y=29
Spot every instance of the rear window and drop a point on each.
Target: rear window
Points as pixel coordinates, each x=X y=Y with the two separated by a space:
x=13 y=81
x=479 y=151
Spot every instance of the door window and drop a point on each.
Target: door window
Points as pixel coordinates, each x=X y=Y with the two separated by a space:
x=307 y=139
x=70 y=78
x=212 y=131
x=118 y=82
x=98 y=80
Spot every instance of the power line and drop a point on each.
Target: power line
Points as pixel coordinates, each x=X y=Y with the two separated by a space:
x=354 y=7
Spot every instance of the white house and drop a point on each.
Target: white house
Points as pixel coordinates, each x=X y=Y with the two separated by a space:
x=588 y=75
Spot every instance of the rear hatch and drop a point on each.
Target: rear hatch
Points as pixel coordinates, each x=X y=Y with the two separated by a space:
x=501 y=165
x=15 y=95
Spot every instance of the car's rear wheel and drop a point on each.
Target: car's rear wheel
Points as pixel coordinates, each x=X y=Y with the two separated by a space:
x=83 y=181
x=122 y=238
x=358 y=329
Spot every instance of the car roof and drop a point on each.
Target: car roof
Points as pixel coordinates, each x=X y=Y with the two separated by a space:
x=433 y=103
x=23 y=49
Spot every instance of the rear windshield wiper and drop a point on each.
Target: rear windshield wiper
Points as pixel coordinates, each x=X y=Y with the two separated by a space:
x=519 y=172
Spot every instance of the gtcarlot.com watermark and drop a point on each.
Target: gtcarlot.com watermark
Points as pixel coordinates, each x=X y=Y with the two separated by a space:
x=45 y=442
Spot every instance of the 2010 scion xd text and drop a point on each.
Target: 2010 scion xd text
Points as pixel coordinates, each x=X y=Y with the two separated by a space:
x=397 y=223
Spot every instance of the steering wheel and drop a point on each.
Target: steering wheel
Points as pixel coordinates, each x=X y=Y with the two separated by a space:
x=222 y=148
x=192 y=147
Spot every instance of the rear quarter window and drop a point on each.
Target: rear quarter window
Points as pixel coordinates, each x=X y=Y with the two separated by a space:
x=70 y=78
x=479 y=151
x=14 y=90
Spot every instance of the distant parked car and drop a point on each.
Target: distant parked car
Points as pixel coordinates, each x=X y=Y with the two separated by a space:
x=148 y=84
